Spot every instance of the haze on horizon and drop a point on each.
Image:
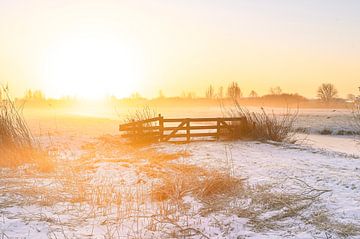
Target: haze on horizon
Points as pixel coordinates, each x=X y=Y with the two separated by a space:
x=96 y=48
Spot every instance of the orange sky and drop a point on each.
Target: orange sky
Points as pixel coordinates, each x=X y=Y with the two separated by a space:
x=96 y=48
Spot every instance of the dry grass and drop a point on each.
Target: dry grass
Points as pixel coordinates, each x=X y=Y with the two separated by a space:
x=263 y=126
x=17 y=145
x=266 y=206
x=179 y=180
x=154 y=200
x=356 y=116
x=142 y=135
x=323 y=222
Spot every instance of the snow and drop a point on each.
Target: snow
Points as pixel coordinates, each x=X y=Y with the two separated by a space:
x=347 y=145
x=326 y=162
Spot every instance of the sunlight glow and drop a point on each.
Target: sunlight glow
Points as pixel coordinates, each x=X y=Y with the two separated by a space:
x=91 y=68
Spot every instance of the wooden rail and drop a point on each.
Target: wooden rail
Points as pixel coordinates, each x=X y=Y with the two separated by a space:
x=159 y=128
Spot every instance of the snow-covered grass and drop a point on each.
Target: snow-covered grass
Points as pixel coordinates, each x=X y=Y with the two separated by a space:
x=105 y=188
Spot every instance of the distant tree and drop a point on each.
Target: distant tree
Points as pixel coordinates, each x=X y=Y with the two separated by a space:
x=191 y=95
x=253 y=94
x=188 y=95
x=38 y=95
x=34 y=95
x=135 y=96
x=183 y=94
x=28 y=95
x=220 y=93
x=161 y=95
x=327 y=92
x=234 y=91
x=210 y=93
x=275 y=91
x=351 y=97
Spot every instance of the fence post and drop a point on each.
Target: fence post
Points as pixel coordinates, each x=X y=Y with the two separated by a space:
x=161 y=127
x=188 y=130
x=133 y=129
x=217 y=128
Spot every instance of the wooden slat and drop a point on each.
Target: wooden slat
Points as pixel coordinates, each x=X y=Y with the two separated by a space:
x=167 y=137
x=191 y=119
x=191 y=127
x=192 y=135
x=139 y=122
x=233 y=119
x=168 y=128
x=188 y=131
x=202 y=119
x=155 y=134
x=129 y=128
x=161 y=127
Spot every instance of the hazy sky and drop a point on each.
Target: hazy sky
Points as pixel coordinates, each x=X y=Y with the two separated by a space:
x=91 y=48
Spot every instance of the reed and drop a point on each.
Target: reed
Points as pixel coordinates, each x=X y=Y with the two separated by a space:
x=263 y=126
x=17 y=144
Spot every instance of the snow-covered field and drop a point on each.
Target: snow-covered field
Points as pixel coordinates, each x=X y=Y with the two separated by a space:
x=102 y=188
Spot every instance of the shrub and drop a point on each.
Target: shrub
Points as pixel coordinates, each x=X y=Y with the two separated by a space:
x=326 y=131
x=263 y=126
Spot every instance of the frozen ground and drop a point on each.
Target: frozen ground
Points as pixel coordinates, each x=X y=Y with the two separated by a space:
x=319 y=162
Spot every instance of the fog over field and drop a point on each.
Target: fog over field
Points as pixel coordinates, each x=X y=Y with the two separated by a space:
x=181 y=119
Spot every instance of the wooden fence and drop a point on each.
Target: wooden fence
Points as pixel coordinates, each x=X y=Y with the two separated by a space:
x=162 y=129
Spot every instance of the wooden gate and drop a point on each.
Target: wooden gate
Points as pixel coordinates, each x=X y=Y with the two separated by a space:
x=163 y=129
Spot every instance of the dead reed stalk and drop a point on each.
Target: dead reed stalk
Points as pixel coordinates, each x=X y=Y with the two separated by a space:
x=141 y=134
x=17 y=144
x=356 y=116
x=263 y=126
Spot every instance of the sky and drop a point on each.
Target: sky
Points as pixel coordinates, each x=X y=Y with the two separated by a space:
x=90 y=49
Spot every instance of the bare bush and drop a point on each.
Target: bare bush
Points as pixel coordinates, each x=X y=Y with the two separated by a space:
x=140 y=132
x=263 y=126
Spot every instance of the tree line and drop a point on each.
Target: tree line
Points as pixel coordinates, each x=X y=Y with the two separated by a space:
x=326 y=92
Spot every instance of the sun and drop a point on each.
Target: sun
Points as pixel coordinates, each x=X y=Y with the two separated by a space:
x=91 y=68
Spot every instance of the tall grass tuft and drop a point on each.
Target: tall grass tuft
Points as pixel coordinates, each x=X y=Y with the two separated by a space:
x=262 y=125
x=17 y=144
x=142 y=133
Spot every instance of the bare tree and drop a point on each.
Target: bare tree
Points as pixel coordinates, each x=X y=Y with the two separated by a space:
x=220 y=93
x=327 y=92
x=191 y=95
x=38 y=95
x=276 y=90
x=28 y=95
x=234 y=91
x=136 y=96
x=188 y=95
x=161 y=95
x=253 y=94
x=210 y=92
x=351 y=97
x=34 y=95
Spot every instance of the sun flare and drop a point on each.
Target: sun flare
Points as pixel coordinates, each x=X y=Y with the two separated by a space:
x=91 y=68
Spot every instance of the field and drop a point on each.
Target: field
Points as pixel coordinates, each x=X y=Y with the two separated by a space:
x=104 y=187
